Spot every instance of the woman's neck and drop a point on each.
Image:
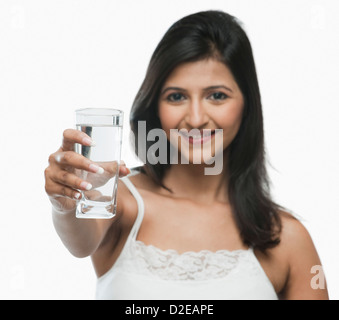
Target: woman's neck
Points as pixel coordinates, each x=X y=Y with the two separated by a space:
x=190 y=181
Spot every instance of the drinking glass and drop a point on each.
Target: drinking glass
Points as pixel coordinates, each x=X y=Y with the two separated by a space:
x=104 y=126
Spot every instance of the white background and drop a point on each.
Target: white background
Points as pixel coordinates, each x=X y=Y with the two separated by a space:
x=56 y=56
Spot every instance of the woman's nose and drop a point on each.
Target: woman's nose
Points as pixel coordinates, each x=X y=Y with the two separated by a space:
x=196 y=116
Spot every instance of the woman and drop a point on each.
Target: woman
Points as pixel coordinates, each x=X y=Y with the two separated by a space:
x=181 y=233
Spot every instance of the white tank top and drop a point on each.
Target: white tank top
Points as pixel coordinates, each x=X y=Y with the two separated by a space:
x=144 y=272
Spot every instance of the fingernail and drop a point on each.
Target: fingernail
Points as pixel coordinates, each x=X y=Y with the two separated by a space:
x=85 y=185
x=88 y=142
x=77 y=196
x=95 y=168
x=58 y=158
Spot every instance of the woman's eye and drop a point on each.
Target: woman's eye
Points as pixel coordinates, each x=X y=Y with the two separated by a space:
x=218 y=96
x=175 y=97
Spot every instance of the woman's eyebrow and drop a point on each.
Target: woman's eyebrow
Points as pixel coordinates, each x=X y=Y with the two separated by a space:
x=205 y=89
x=174 y=89
x=218 y=87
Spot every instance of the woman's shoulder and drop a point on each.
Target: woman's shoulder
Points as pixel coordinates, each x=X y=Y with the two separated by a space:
x=294 y=235
x=299 y=253
x=289 y=264
x=294 y=238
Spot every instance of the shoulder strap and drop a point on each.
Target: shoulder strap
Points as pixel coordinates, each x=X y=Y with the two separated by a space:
x=136 y=226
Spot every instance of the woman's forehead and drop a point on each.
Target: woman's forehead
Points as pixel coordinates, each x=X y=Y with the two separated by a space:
x=202 y=73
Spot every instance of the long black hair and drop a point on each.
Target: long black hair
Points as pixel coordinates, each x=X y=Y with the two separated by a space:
x=216 y=34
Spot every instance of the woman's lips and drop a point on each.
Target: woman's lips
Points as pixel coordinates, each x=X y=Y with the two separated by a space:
x=200 y=137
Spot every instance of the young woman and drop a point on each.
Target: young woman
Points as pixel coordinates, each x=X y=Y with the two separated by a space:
x=180 y=233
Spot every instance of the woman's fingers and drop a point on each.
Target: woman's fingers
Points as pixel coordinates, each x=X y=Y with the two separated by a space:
x=72 y=136
x=61 y=181
x=58 y=190
x=71 y=159
x=64 y=183
x=110 y=168
x=54 y=188
x=70 y=180
x=123 y=170
x=67 y=158
x=65 y=176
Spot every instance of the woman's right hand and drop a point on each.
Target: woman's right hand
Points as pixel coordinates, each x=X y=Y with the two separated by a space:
x=61 y=182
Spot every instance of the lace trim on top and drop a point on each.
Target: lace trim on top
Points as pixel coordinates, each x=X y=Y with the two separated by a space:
x=170 y=265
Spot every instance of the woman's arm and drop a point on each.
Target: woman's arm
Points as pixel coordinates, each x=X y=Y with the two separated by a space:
x=81 y=236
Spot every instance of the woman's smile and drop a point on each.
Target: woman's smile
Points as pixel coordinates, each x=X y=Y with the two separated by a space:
x=196 y=136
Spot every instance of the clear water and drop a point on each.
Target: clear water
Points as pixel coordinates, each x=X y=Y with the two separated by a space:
x=100 y=201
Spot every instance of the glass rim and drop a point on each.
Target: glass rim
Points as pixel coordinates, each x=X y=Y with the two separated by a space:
x=98 y=112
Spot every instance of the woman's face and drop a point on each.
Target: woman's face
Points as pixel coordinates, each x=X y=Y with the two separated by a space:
x=204 y=96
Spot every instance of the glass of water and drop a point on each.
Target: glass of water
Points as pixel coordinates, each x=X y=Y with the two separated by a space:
x=104 y=126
